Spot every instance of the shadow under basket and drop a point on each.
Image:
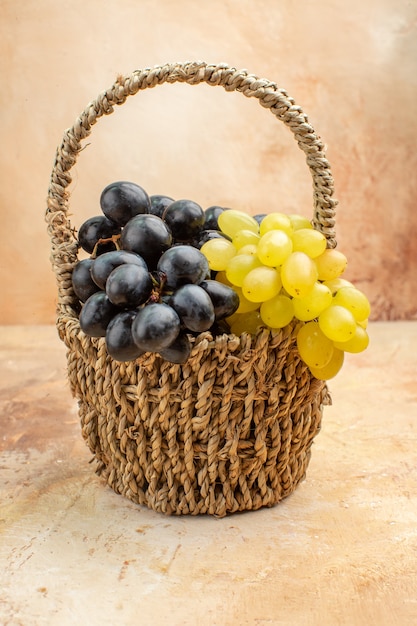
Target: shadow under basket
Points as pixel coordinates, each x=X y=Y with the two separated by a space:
x=232 y=428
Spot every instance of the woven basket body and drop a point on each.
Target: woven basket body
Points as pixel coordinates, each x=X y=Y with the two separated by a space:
x=232 y=428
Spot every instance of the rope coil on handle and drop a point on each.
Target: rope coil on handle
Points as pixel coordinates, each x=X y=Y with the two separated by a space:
x=63 y=241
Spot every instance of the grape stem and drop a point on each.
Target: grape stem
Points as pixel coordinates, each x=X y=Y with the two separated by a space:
x=158 y=279
x=113 y=238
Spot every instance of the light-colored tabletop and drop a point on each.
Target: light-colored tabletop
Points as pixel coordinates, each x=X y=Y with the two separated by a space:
x=342 y=550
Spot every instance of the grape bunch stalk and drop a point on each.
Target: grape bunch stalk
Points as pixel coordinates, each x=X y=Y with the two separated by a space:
x=282 y=270
x=146 y=286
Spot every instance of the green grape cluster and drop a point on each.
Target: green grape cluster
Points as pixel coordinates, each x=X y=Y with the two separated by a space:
x=281 y=269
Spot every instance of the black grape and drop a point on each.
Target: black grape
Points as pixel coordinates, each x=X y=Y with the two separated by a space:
x=94 y=229
x=185 y=219
x=179 y=350
x=183 y=264
x=159 y=204
x=155 y=327
x=106 y=263
x=96 y=314
x=225 y=300
x=220 y=327
x=148 y=236
x=259 y=217
x=211 y=215
x=119 y=340
x=194 y=307
x=206 y=235
x=129 y=285
x=82 y=282
x=121 y=200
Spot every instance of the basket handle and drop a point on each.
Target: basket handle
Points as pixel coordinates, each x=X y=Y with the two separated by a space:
x=63 y=240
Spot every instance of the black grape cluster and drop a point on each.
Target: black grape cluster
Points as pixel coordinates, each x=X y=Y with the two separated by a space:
x=146 y=287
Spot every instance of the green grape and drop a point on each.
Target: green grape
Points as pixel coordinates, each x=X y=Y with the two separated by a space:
x=262 y=283
x=298 y=274
x=277 y=312
x=314 y=347
x=332 y=368
x=246 y=322
x=274 y=247
x=337 y=323
x=250 y=248
x=275 y=221
x=245 y=305
x=232 y=318
x=231 y=222
x=218 y=252
x=299 y=221
x=238 y=268
x=358 y=343
x=244 y=238
x=222 y=278
x=363 y=323
x=310 y=241
x=314 y=303
x=355 y=301
x=330 y=264
x=337 y=283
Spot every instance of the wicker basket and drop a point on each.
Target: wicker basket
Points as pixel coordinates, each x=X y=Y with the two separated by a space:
x=232 y=428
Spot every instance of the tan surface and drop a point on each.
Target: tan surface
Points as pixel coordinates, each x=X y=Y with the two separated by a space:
x=351 y=65
x=341 y=551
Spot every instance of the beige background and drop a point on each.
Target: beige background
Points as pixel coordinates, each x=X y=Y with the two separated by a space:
x=351 y=66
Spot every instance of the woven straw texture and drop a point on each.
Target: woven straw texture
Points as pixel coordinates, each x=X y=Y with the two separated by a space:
x=230 y=430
